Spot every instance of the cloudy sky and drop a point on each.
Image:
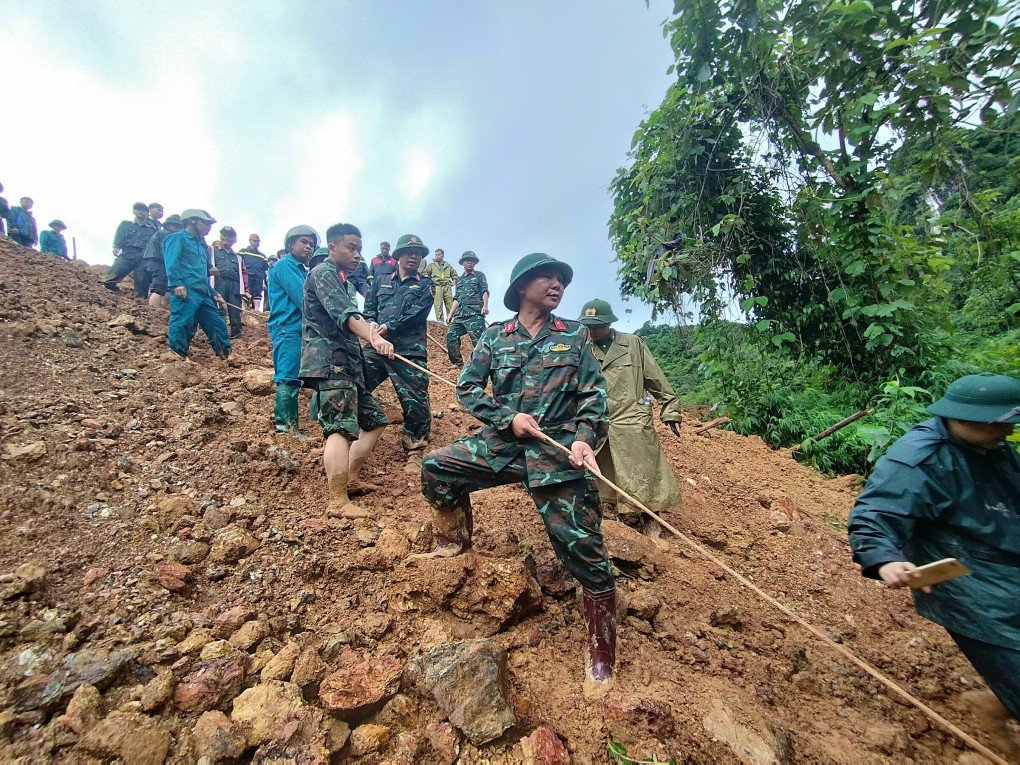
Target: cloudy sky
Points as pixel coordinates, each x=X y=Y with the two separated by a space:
x=477 y=124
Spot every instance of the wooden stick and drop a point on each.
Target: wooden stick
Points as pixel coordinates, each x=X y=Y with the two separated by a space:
x=713 y=424
x=838 y=426
x=846 y=653
x=436 y=341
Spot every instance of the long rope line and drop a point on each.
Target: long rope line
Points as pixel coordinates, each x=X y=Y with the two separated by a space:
x=846 y=653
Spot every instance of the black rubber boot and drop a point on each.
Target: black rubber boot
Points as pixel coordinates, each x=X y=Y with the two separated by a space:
x=600 y=618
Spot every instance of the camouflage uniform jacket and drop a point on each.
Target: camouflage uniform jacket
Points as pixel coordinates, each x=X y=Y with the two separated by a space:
x=403 y=306
x=554 y=377
x=470 y=288
x=328 y=347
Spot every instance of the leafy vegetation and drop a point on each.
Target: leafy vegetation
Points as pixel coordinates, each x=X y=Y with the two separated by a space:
x=842 y=178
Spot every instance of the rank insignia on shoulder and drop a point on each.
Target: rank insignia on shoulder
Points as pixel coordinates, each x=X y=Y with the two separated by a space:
x=510 y=326
x=559 y=348
x=559 y=325
x=343 y=277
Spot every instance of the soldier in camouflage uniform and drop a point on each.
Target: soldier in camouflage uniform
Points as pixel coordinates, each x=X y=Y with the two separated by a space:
x=469 y=308
x=543 y=376
x=399 y=304
x=331 y=364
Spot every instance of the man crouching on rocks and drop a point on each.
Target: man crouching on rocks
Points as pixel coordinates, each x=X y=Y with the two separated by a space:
x=544 y=375
x=332 y=365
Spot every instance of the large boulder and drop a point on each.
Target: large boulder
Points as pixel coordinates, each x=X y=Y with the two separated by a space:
x=261 y=712
x=468 y=680
x=211 y=683
x=498 y=593
x=360 y=684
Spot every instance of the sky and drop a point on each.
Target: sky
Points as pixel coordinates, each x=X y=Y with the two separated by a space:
x=477 y=125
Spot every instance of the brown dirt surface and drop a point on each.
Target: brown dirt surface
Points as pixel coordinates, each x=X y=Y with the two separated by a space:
x=122 y=467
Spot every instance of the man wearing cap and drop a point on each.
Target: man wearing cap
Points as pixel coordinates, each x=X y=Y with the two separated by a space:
x=332 y=365
x=257 y=265
x=52 y=240
x=151 y=272
x=544 y=380
x=192 y=301
x=128 y=245
x=632 y=457
x=231 y=280
x=469 y=309
x=382 y=264
x=950 y=488
x=286 y=294
x=399 y=305
x=443 y=276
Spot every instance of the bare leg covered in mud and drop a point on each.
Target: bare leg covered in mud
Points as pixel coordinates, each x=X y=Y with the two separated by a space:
x=342 y=461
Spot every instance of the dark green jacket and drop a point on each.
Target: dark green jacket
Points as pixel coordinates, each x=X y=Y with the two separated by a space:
x=553 y=377
x=470 y=288
x=933 y=497
x=404 y=307
x=328 y=347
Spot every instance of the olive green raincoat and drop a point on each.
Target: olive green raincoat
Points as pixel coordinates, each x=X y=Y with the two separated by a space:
x=632 y=457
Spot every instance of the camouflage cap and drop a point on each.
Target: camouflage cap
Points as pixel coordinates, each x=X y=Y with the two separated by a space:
x=468 y=255
x=985 y=397
x=597 y=313
x=527 y=264
x=410 y=242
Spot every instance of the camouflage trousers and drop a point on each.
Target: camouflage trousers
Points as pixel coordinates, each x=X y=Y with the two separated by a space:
x=569 y=510
x=472 y=325
x=411 y=386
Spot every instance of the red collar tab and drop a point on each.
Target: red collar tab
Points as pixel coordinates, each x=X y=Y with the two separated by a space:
x=510 y=326
x=559 y=326
x=343 y=276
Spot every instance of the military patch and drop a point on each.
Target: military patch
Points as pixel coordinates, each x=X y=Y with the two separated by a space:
x=559 y=348
x=510 y=326
x=559 y=325
x=590 y=312
x=413 y=240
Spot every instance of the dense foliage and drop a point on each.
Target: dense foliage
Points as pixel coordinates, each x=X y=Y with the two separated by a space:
x=843 y=175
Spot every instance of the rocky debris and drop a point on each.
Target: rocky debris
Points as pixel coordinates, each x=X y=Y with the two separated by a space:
x=57 y=735
x=215 y=736
x=469 y=682
x=543 y=747
x=133 y=737
x=32 y=452
x=359 y=684
x=248 y=634
x=189 y=552
x=643 y=604
x=232 y=543
x=27 y=578
x=157 y=691
x=502 y=590
x=172 y=575
x=631 y=550
x=259 y=381
x=888 y=738
x=754 y=739
x=627 y=714
x=85 y=709
x=211 y=683
x=309 y=668
x=96 y=667
x=369 y=739
x=282 y=664
x=195 y=641
x=445 y=741
x=172 y=509
x=728 y=615
x=228 y=622
x=262 y=710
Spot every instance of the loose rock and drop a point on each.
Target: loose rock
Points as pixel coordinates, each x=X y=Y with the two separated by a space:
x=85 y=709
x=369 y=739
x=360 y=684
x=261 y=711
x=543 y=747
x=232 y=543
x=135 y=738
x=217 y=738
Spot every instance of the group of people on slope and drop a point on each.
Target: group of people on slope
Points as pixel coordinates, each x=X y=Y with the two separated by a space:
x=18 y=223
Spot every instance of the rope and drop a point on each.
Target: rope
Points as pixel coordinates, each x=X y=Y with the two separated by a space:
x=846 y=653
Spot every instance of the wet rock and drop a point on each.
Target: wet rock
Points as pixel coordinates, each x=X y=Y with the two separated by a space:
x=133 y=737
x=189 y=552
x=85 y=709
x=445 y=741
x=360 y=684
x=631 y=550
x=261 y=711
x=32 y=452
x=86 y=667
x=369 y=739
x=210 y=684
x=308 y=668
x=502 y=590
x=644 y=605
x=232 y=543
x=543 y=747
x=281 y=665
x=229 y=621
x=27 y=578
x=172 y=575
x=194 y=642
x=754 y=739
x=259 y=382
x=468 y=680
x=249 y=634
x=157 y=691
x=215 y=736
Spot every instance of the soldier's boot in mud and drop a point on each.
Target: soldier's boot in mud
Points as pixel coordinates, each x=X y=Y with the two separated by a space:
x=410 y=443
x=356 y=485
x=285 y=410
x=339 y=504
x=451 y=530
x=600 y=619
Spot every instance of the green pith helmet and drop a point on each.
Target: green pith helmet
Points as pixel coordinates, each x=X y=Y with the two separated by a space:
x=524 y=266
x=57 y=223
x=468 y=255
x=981 y=398
x=409 y=242
x=194 y=212
x=597 y=313
x=173 y=220
x=320 y=254
x=301 y=230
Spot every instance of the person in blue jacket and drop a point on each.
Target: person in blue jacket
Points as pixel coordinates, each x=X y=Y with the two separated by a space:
x=285 y=287
x=192 y=300
x=52 y=240
x=950 y=488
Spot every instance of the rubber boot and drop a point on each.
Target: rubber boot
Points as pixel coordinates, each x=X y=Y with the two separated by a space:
x=339 y=504
x=600 y=618
x=451 y=529
x=281 y=416
x=289 y=409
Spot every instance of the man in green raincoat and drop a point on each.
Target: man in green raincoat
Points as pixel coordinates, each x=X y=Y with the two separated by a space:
x=950 y=488
x=632 y=457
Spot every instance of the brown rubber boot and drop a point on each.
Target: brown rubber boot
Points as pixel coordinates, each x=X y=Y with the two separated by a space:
x=600 y=618
x=356 y=486
x=452 y=531
x=338 y=504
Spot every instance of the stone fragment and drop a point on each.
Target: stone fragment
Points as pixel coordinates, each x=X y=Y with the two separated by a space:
x=468 y=680
x=210 y=684
x=259 y=381
x=27 y=578
x=644 y=605
x=85 y=709
x=172 y=575
x=392 y=546
x=194 y=642
x=501 y=590
x=26 y=452
x=337 y=734
x=232 y=543
x=189 y=552
x=888 y=738
x=445 y=741
x=227 y=622
x=754 y=739
x=728 y=615
x=217 y=649
x=308 y=668
x=630 y=715
x=261 y=711
x=281 y=665
x=157 y=691
x=58 y=735
x=171 y=509
x=133 y=737
x=630 y=549
x=360 y=684
x=95 y=574
x=369 y=739
x=249 y=634
x=86 y=667
x=543 y=747
x=215 y=736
